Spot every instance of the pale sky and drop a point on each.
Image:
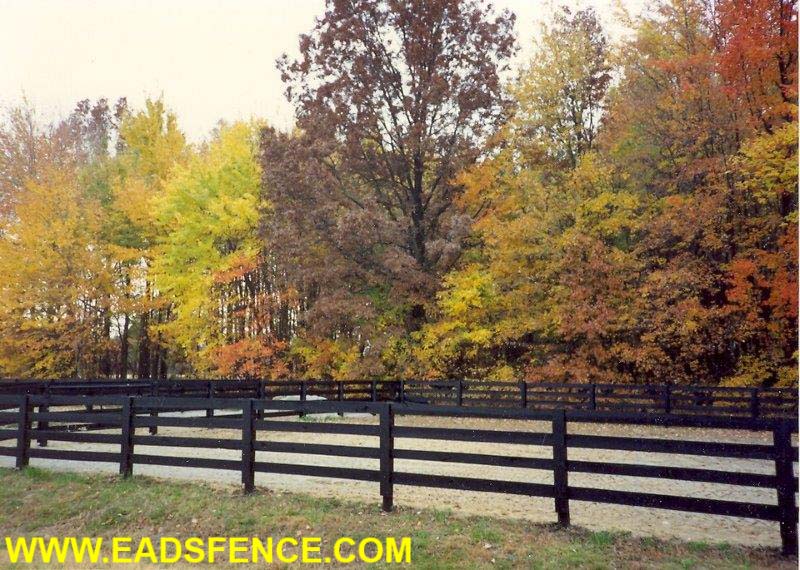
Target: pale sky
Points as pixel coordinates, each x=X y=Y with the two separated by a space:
x=210 y=59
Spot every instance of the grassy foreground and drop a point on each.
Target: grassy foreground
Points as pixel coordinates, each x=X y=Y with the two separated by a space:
x=42 y=503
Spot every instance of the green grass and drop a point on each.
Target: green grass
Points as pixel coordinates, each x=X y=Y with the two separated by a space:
x=602 y=538
x=37 y=502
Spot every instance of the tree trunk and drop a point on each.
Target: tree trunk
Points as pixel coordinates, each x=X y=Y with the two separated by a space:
x=124 y=347
x=143 y=368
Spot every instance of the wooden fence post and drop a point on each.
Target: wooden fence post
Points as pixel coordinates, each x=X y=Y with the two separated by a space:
x=42 y=425
x=248 y=446
x=560 y=479
x=593 y=396
x=23 y=432
x=340 y=395
x=374 y=391
x=387 y=456
x=260 y=396
x=523 y=394
x=782 y=440
x=153 y=430
x=128 y=430
x=303 y=395
x=754 y=411
x=667 y=399
x=460 y=393
x=209 y=395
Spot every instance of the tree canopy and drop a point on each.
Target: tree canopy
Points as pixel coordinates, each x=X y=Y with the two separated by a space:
x=610 y=211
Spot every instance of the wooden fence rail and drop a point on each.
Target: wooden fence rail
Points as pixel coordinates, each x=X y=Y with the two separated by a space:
x=657 y=399
x=126 y=421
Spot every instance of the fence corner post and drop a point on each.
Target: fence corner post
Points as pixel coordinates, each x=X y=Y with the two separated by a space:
x=248 y=446
x=23 y=432
x=782 y=440
x=128 y=431
x=560 y=470
x=387 y=456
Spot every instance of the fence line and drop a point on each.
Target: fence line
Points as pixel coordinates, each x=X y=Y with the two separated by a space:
x=661 y=399
x=56 y=418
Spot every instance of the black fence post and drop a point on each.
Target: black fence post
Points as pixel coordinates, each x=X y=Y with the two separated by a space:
x=387 y=456
x=128 y=430
x=460 y=393
x=667 y=399
x=523 y=394
x=340 y=394
x=260 y=396
x=754 y=407
x=42 y=425
x=560 y=480
x=402 y=394
x=23 y=432
x=209 y=395
x=303 y=396
x=782 y=439
x=153 y=412
x=593 y=396
x=374 y=391
x=248 y=446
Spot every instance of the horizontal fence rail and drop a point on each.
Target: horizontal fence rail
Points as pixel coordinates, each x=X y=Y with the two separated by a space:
x=655 y=399
x=246 y=427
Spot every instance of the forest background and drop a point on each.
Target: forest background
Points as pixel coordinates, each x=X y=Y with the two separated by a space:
x=619 y=211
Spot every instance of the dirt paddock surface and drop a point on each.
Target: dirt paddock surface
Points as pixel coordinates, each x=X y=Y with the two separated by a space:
x=638 y=521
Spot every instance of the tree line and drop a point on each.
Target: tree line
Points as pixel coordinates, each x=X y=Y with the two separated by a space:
x=619 y=211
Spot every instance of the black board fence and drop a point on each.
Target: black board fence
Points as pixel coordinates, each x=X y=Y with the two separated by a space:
x=127 y=421
x=624 y=398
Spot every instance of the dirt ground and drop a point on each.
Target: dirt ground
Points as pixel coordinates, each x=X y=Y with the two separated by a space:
x=638 y=521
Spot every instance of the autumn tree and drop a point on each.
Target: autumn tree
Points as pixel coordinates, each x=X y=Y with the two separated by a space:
x=665 y=254
x=210 y=263
x=58 y=300
x=58 y=290
x=393 y=99
x=497 y=309
x=761 y=278
x=29 y=149
x=758 y=57
x=150 y=145
x=561 y=93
